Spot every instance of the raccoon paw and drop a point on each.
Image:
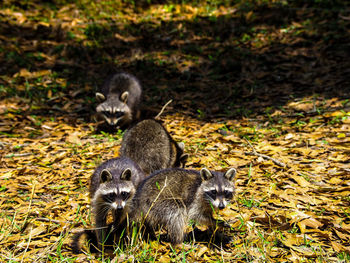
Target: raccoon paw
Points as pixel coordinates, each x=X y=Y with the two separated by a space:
x=223 y=224
x=221 y=238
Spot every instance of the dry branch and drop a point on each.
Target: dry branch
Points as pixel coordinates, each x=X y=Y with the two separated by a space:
x=43 y=219
x=17 y=155
x=254 y=152
x=161 y=111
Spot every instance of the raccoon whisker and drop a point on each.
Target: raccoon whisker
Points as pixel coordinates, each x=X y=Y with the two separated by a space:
x=104 y=210
x=208 y=199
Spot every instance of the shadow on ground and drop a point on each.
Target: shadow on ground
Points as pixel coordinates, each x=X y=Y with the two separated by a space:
x=224 y=66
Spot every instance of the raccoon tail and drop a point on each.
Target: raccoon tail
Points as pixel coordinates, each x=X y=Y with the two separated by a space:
x=90 y=236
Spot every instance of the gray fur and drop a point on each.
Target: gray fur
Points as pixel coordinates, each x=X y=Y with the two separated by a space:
x=119 y=99
x=109 y=183
x=150 y=145
x=173 y=198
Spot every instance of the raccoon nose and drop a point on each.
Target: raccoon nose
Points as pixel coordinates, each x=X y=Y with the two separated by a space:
x=221 y=205
x=119 y=207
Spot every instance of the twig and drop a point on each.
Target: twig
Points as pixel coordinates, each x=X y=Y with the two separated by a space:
x=29 y=239
x=43 y=219
x=17 y=155
x=161 y=111
x=29 y=206
x=254 y=152
x=251 y=146
x=4 y=143
x=315 y=112
x=279 y=163
x=68 y=63
x=345 y=17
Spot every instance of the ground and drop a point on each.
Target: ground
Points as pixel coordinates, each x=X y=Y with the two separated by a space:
x=261 y=86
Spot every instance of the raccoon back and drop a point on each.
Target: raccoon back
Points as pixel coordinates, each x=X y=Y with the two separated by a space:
x=150 y=146
x=173 y=184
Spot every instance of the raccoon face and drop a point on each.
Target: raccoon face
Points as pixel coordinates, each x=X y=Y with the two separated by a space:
x=218 y=188
x=113 y=114
x=114 y=195
x=114 y=108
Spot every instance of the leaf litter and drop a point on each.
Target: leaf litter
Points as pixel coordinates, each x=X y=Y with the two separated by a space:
x=293 y=181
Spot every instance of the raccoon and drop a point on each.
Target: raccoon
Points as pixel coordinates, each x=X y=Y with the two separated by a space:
x=113 y=185
x=173 y=198
x=119 y=99
x=150 y=145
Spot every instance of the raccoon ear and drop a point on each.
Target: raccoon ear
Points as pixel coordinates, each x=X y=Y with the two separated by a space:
x=181 y=145
x=105 y=176
x=205 y=174
x=124 y=97
x=100 y=97
x=230 y=174
x=183 y=159
x=126 y=175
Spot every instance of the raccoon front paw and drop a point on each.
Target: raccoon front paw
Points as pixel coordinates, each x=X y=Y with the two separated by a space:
x=221 y=238
x=223 y=224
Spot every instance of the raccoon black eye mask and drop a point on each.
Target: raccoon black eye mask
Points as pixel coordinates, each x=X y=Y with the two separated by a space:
x=116 y=114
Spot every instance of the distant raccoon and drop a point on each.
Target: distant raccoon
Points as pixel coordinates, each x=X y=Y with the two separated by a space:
x=119 y=100
x=173 y=198
x=113 y=185
x=150 y=145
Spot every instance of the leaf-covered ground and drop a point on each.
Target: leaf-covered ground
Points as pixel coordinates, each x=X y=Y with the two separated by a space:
x=262 y=86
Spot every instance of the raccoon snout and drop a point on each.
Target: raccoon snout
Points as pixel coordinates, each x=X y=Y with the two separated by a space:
x=221 y=205
x=112 y=121
x=117 y=206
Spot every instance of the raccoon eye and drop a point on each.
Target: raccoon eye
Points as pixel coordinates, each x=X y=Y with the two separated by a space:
x=119 y=114
x=213 y=192
x=110 y=196
x=106 y=113
x=125 y=195
x=228 y=194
